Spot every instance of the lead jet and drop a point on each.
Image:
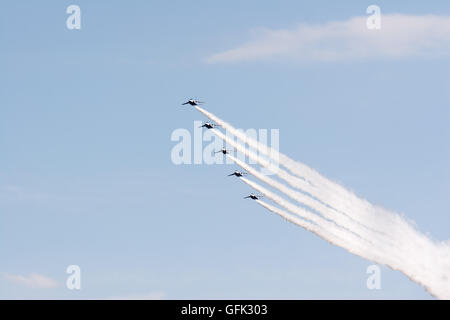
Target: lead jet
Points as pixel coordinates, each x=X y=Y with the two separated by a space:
x=209 y=125
x=254 y=196
x=237 y=174
x=192 y=102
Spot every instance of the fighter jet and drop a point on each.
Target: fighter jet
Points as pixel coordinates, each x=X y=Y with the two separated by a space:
x=209 y=125
x=237 y=173
x=192 y=102
x=254 y=196
x=224 y=151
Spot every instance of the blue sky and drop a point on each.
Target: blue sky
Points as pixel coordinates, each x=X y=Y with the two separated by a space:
x=86 y=176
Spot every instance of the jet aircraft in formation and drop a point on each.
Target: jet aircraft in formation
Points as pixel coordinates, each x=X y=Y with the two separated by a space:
x=210 y=125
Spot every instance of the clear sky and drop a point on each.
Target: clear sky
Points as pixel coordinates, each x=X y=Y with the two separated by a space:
x=86 y=176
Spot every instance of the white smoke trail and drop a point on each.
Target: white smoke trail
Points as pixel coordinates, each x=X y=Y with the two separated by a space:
x=418 y=271
x=377 y=242
x=314 y=184
x=352 y=243
x=317 y=230
x=362 y=228
x=426 y=262
x=370 y=217
x=340 y=220
x=320 y=231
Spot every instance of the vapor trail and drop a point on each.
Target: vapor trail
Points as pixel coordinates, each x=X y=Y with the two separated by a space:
x=323 y=233
x=423 y=260
x=340 y=220
x=431 y=271
x=336 y=235
x=317 y=230
x=313 y=183
x=363 y=229
x=374 y=227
